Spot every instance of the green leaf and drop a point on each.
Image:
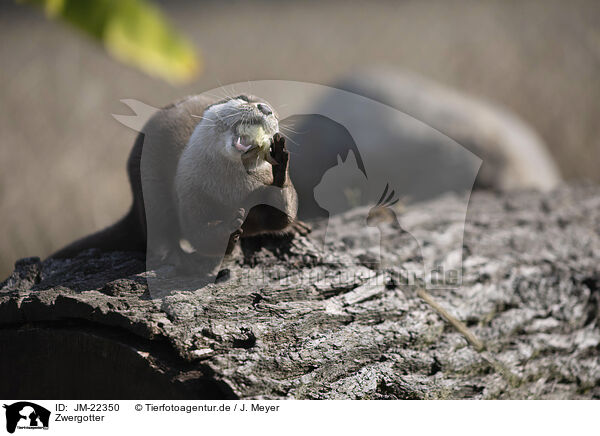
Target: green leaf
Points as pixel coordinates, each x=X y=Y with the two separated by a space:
x=133 y=31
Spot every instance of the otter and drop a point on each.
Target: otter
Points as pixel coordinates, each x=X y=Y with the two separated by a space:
x=212 y=171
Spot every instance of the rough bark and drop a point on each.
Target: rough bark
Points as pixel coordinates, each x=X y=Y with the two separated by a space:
x=88 y=328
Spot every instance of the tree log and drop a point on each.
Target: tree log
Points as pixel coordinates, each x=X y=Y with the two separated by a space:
x=285 y=321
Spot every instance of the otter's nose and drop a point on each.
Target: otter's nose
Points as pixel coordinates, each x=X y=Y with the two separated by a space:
x=264 y=109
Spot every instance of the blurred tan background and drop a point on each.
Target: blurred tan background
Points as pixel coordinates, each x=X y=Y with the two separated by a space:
x=63 y=155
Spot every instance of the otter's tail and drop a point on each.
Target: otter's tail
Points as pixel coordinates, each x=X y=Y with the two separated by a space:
x=124 y=235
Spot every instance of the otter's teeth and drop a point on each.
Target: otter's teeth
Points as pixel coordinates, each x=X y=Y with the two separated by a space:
x=241 y=147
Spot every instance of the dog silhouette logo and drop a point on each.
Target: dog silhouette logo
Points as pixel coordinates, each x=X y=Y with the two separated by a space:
x=26 y=415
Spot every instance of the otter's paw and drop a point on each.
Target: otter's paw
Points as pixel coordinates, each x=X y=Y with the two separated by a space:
x=300 y=227
x=279 y=158
x=238 y=220
x=279 y=153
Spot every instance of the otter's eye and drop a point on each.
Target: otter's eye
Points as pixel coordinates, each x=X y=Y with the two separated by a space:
x=264 y=109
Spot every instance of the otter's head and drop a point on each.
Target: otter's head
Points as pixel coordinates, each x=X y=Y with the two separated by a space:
x=241 y=127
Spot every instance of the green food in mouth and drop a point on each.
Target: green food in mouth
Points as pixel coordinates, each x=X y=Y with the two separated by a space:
x=255 y=138
x=256 y=134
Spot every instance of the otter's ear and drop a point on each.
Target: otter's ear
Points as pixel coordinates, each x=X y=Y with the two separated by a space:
x=339 y=159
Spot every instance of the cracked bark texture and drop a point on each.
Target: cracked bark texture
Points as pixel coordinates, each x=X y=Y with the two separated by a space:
x=87 y=327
